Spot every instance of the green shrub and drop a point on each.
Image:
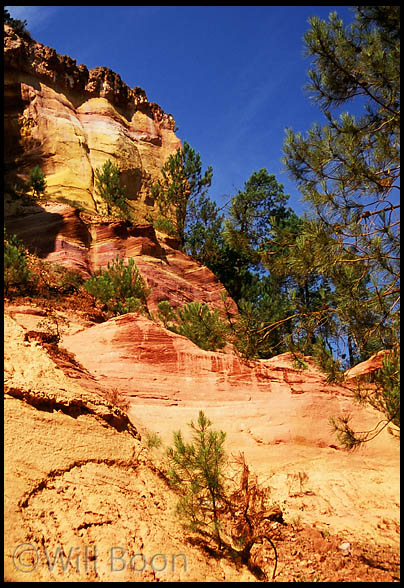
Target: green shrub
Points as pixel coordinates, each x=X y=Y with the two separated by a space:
x=37 y=182
x=165 y=225
x=196 y=322
x=16 y=272
x=108 y=185
x=120 y=287
x=235 y=513
x=197 y=470
x=166 y=313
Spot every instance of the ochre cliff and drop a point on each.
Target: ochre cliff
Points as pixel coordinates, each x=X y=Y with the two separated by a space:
x=74 y=479
x=80 y=499
x=78 y=478
x=69 y=120
x=61 y=234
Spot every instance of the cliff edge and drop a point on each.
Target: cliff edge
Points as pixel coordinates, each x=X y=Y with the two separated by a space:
x=69 y=120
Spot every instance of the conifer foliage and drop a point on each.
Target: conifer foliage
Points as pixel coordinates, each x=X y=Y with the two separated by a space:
x=196 y=322
x=37 y=181
x=348 y=171
x=182 y=182
x=232 y=510
x=120 y=287
x=16 y=272
x=198 y=468
x=109 y=187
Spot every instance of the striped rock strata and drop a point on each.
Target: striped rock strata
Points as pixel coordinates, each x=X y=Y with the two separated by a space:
x=69 y=120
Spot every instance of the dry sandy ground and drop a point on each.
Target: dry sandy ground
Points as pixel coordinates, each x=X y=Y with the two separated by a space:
x=282 y=428
x=354 y=494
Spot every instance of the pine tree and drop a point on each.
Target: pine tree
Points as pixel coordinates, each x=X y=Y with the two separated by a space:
x=203 y=231
x=108 y=184
x=196 y=322
x=348 y=172
x=120 y=287
x=182 y=182
x=37 y=182
x=198 y=469
x=348 y=169
x=251 y=210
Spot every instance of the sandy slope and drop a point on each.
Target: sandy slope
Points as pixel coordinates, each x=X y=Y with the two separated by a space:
x=73 y=479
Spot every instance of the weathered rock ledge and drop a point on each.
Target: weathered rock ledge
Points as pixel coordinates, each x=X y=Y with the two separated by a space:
x=69 y=120
x=61 y=234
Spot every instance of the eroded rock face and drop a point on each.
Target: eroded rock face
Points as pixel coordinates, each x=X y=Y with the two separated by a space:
x=76 y=485
x=62 y=234
x=366 y=368
x=274 y=413
x=69 y=121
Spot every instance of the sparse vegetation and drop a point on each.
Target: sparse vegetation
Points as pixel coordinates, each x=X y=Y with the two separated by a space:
x=117 y=399
x=197 y=322
x=153 y=440
x=381 y=390
x=16 y=272
x=15 y=23
x=165 y=225
x=234 y=514
x=52 y=324
x=120 y=287
x=37 y=182
x=108 y=184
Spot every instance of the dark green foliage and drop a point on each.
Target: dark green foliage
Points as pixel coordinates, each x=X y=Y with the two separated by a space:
x=182 y=181
x=323 y=357
x=234 y=513
x=203 y=232
x=108 y=185
x=16 y=272
x=165 y=225
x=251 y=211
x=203 y=326
x=198 y=470
x=348 y=171
x=251 y=337
x=196 y=322
x=166 y=313
x=120 y=287
x=235 y=249
x=246 y=228
x=37 y=182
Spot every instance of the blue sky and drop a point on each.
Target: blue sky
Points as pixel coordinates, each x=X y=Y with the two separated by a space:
x=231 y=76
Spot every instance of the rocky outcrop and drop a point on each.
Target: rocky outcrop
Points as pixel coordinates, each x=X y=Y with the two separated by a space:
x=366 y=368
x=77 y=486
x=69 y=120
x=81 y=502
x=276 y=414
x=62 y=234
